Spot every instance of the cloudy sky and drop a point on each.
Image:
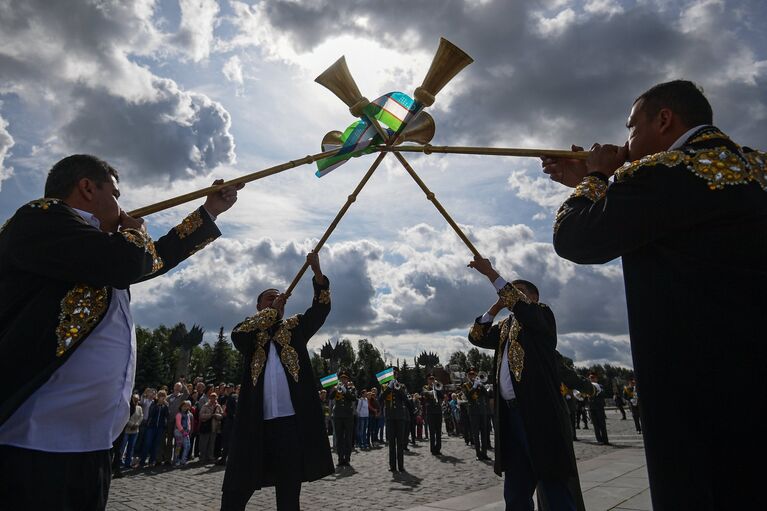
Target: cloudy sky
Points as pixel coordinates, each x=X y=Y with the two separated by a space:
x=176 y=93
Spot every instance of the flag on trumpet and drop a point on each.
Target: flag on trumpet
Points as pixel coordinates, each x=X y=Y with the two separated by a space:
x=329 y=380
x=394 y=110
x=385 y=376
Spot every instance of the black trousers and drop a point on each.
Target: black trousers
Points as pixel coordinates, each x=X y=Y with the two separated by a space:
x=396 y=435
x=599 y=422
x=637 y=420
x=344 y=437
x=282 y=460
x=31 y=480
x=480 y=433
x=435 y=427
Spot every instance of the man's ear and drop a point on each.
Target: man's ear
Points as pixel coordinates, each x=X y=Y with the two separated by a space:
x=86 y=188
x=665 y=119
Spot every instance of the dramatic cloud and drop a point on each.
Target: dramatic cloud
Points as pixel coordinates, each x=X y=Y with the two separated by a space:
x=6 y=142
x=195 y=33
x=82 y=62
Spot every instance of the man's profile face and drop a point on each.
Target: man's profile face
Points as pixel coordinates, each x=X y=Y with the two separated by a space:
x=177 y=388
x=267 y=299
x=104 y=204
x=644 y=137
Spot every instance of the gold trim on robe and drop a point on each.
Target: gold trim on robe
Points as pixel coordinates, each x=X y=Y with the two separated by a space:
x=189 y=224
x=81 y=309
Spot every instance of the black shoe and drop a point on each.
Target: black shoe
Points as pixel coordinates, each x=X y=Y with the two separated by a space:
x=221 y=461
x=406 y=449
x=402 y=469
x=392 y=469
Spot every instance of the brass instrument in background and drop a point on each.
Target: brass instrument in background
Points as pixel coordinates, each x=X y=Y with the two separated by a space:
x=482 y=377
x=437 y=386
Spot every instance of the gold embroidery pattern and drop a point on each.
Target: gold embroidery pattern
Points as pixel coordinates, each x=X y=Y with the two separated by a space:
x=202 y=245
x=261 y=320
x=282 y=336
x=510 y=295
x=477 y=331
x=259 y=357
x=516 y=352
x=708 y=134
x=718 y=166
x=142 y=240
x=189 y=224
x=758 y=162
x=591 y=187
x=81 y=309
x=288 y=356
x=43 y=203
x=324 y=297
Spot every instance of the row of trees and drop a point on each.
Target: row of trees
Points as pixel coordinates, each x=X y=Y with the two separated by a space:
x=166 y=354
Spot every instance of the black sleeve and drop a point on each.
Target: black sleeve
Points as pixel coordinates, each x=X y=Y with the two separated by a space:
x=193 y=234
x=314 y=317
x=49 y=238
x=570 y=378
x=599 y=223
x=484 y=335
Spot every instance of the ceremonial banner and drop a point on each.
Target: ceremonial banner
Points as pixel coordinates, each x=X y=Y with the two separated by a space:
x=394 y=110
x=329 y=380
x=385 y=376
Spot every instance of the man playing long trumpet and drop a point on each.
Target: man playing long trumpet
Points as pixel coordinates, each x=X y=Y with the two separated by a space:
x=533 y=437
x=686 y=211
x=279 y=437
x=68 y=344
x=432 y=398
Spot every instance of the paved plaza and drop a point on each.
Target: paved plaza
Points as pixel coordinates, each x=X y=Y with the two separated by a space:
x=613 y=477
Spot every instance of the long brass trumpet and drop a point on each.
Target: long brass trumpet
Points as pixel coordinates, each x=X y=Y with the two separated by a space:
x=489 y=151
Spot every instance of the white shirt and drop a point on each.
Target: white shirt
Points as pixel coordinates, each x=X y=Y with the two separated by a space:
x=277 y=402
x=83 y=407
x=681 y=140
x=505 y=385
x=362 y=408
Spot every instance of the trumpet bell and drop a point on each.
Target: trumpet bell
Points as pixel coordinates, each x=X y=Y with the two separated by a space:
x=437 y=385
x=482 y=375
x=331 y=139
x=338 y=80
x=420 y=130
x=447 y=62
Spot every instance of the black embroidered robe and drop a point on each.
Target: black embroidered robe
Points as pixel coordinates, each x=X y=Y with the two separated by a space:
x=245 y=466
x=691 y=228
x=57 y=273
x=537 y=370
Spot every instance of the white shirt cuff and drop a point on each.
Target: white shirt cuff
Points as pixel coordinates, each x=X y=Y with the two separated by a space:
x=487 y=318
x=499 y=283
x=211 y=215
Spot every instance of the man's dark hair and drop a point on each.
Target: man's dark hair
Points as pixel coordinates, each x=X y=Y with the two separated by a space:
x=262 y=293
x=529 y=285
x=682 y=97
x=64 y=176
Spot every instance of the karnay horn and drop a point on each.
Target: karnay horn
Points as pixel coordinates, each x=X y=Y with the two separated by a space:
x=420 y=130
x=338 y=80
x=448 y=62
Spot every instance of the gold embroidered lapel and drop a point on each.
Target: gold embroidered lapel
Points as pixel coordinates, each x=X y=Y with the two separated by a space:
x=510 y=329
x=283 y=336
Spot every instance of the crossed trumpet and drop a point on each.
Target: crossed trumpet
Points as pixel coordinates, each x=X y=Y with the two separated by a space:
x=447 y=63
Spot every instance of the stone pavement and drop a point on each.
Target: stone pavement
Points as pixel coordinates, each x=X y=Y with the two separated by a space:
x=430 y=482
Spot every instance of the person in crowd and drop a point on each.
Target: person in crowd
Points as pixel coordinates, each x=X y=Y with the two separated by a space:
x=597 y=411
x=279 y=435
x=343 y=418
x=419 y=420
x=631 y=396
x=182 y=432
x=131 y=430
x=211 y=414
x=394 y=397
x=230 y=414
x=156 y=423
x=685 y=211
x=363 y=420
x=175 y=399
x=374 y=417
x=464 y=420
x=432 y=398
x=447 y=415
x=478 y=409
x=618 y=400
